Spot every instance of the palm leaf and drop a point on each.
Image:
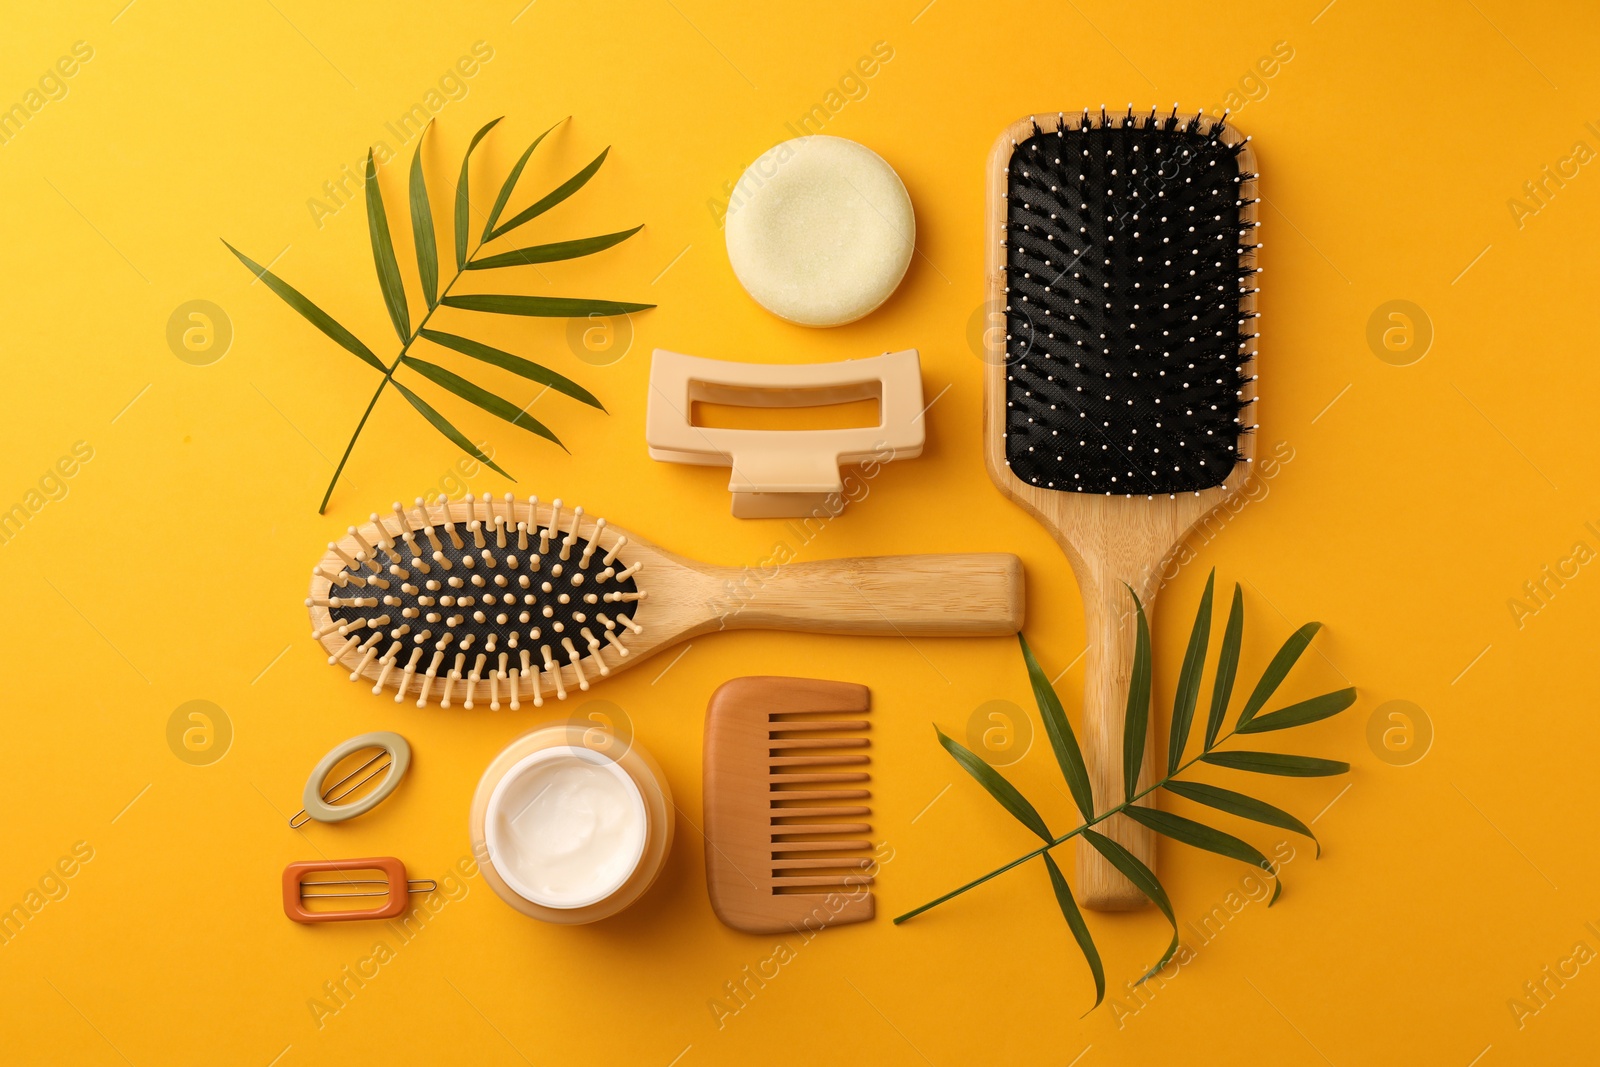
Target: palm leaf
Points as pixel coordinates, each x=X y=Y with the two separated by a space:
x=312 y=314
x=556 y=250
x=1199 y=835
x=1137 y=720
x=1227 y=667
x=1277 y=763
x=1322 y=707
x=475 y=394
x=554 y=197
x=1188 y=693
x=1080 y=929
x=422 y=227
x=1068 y=754
x=463 y=211
x=442 y=424
x=1277 y=670
x=394 y=293
x=1244 y=807
x=515 y=364
x=546 y=307
x=1002 y=791
x=511 y=183
x=1136 y=872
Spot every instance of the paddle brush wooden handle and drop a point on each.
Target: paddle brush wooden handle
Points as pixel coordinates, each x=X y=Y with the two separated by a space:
x=968 y=593
x=1111 y=629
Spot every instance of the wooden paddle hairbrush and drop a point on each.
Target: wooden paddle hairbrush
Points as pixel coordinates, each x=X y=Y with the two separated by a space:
x=516 y=599
x=1122 y=250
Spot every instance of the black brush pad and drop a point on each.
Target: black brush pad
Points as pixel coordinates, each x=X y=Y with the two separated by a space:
x=565 y=620
x=1123 y=310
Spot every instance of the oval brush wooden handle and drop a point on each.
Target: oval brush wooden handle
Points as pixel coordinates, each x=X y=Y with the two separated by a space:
x=1111 y=629
x=967 y=593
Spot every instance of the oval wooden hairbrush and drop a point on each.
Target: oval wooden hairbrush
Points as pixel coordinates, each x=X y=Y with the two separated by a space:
x=516 y=600
x=1122 y=249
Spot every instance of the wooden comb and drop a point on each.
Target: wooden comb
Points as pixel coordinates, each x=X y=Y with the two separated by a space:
x=778 y=780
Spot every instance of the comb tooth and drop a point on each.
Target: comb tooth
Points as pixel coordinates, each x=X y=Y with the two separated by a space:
x=775 y=795
x=790 y=830
x=818 y=760
x=833 y=811
x=798 y=726
x=791 y=743
x=842 y=866
x=820 y=779
x=820 y=846
x=824 y=880
x=812 y=863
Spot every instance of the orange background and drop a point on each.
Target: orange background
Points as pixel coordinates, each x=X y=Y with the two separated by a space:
x=1419 y=500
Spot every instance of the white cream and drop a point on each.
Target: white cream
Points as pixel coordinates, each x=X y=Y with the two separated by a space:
x=566 y=827
x=820 y=231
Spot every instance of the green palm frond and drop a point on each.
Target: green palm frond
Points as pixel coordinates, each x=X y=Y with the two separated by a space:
x=1177 y=827
x=425 y=240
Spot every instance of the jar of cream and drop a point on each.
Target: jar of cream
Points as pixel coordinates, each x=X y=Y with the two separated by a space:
x=571 y=824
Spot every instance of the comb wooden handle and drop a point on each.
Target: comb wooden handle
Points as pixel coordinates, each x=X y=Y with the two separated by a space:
x=968 y=593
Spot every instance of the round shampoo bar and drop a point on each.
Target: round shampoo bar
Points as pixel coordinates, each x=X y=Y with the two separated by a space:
x=821 y=231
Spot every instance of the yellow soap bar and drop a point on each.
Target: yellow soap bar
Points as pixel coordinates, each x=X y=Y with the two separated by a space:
x=820 y=231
